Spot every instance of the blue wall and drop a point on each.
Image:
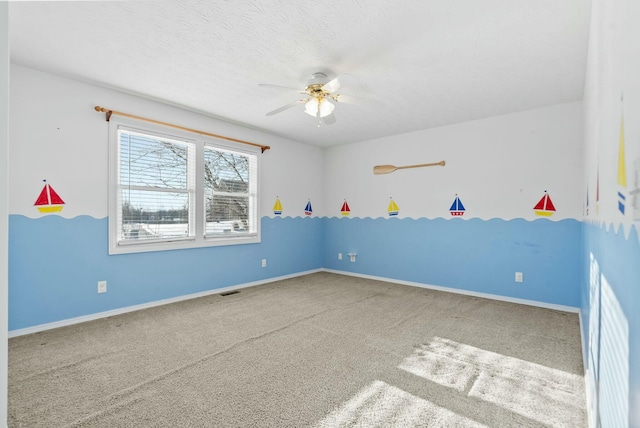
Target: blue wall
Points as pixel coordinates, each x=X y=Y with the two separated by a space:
x=475 y=255
x=615 y=259
x=55 y=264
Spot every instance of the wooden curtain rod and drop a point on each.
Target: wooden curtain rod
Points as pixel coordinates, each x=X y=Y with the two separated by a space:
x=119 y=113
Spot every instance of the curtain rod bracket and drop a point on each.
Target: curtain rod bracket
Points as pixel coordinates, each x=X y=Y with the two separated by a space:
x=112 y=112
x=104 y=110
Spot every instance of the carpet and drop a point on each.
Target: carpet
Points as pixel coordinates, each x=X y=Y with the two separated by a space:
x=321 y=350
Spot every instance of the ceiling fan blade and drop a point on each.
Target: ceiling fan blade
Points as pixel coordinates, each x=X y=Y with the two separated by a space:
x=329 y=120
x=286 y=107
x=349 y=99
x=335 y=84
x=267 y=85
x=331 y=86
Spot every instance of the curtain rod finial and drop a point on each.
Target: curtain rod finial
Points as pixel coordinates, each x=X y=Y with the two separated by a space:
x=104 y=110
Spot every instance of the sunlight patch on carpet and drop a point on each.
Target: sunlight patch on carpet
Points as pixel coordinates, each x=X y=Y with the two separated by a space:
x=383 y=405
x=547 y=395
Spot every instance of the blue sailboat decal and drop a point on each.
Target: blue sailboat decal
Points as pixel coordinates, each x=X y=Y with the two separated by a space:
x=307 y=209
x=457 y=209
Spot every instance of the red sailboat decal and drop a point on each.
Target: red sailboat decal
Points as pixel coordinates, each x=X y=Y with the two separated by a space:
x=544 y=207
x=344 y=210
x=48 y=201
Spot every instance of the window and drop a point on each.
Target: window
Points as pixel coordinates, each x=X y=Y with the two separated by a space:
x=174 y=190
x=156 y=188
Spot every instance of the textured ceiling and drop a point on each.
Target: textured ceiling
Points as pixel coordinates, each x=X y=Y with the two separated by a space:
x=412 y=64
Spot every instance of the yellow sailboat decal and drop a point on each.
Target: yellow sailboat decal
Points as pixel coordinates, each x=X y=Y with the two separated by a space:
x=393 y=208
x=277 y=207
x=622 y=170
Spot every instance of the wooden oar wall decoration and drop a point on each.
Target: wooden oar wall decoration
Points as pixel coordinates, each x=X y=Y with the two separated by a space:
x=388 y=169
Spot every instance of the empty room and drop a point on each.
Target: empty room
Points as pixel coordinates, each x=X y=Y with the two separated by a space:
x=320 y=214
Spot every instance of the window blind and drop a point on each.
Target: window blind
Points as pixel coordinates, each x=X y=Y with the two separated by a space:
x=230 y=183
x=156 y=183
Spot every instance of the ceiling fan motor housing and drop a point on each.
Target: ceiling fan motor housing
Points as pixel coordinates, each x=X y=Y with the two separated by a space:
x=316 y=91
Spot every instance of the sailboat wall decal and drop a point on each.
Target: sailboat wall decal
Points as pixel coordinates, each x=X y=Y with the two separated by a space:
x=393 y=208
x=277 y=207
x=622 y=170
x=586 y=209
x=457 y=209
x=49 y=201
x=544 y=207
x=597 y=190
x=345 y=210
x=307 y=209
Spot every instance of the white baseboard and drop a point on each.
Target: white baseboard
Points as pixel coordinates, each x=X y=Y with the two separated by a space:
x=459 y=291
x=113 y=312
x=583 y=341
x=587 y=375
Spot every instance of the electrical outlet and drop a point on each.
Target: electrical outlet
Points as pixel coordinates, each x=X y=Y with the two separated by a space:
x=264 y=262
x=518 y=276
x=339 y=256
x=102 y=286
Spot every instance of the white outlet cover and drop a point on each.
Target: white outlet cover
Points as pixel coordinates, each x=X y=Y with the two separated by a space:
x=264 y=262
x=102 y=286
x=519 y=277
x=339 y=256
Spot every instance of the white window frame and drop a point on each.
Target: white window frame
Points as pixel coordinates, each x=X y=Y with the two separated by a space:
x=198 y=215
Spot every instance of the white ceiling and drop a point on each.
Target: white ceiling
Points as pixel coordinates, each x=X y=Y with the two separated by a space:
x=413 y=64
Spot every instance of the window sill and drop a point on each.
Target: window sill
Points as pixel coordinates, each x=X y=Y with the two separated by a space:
x=218 y=241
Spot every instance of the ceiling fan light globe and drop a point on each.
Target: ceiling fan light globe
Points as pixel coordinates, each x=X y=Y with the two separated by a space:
x=326 y=108
x=311 y=107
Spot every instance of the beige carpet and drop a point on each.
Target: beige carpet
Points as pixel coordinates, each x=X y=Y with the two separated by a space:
x=322 y=350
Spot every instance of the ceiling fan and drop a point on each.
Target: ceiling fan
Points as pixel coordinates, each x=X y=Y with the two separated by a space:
x=318 y=98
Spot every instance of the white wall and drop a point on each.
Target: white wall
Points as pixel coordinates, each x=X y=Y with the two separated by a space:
x=4 y=166
x=613 y=64
x=500 y=168
x=57 y=135
x=611 y=238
